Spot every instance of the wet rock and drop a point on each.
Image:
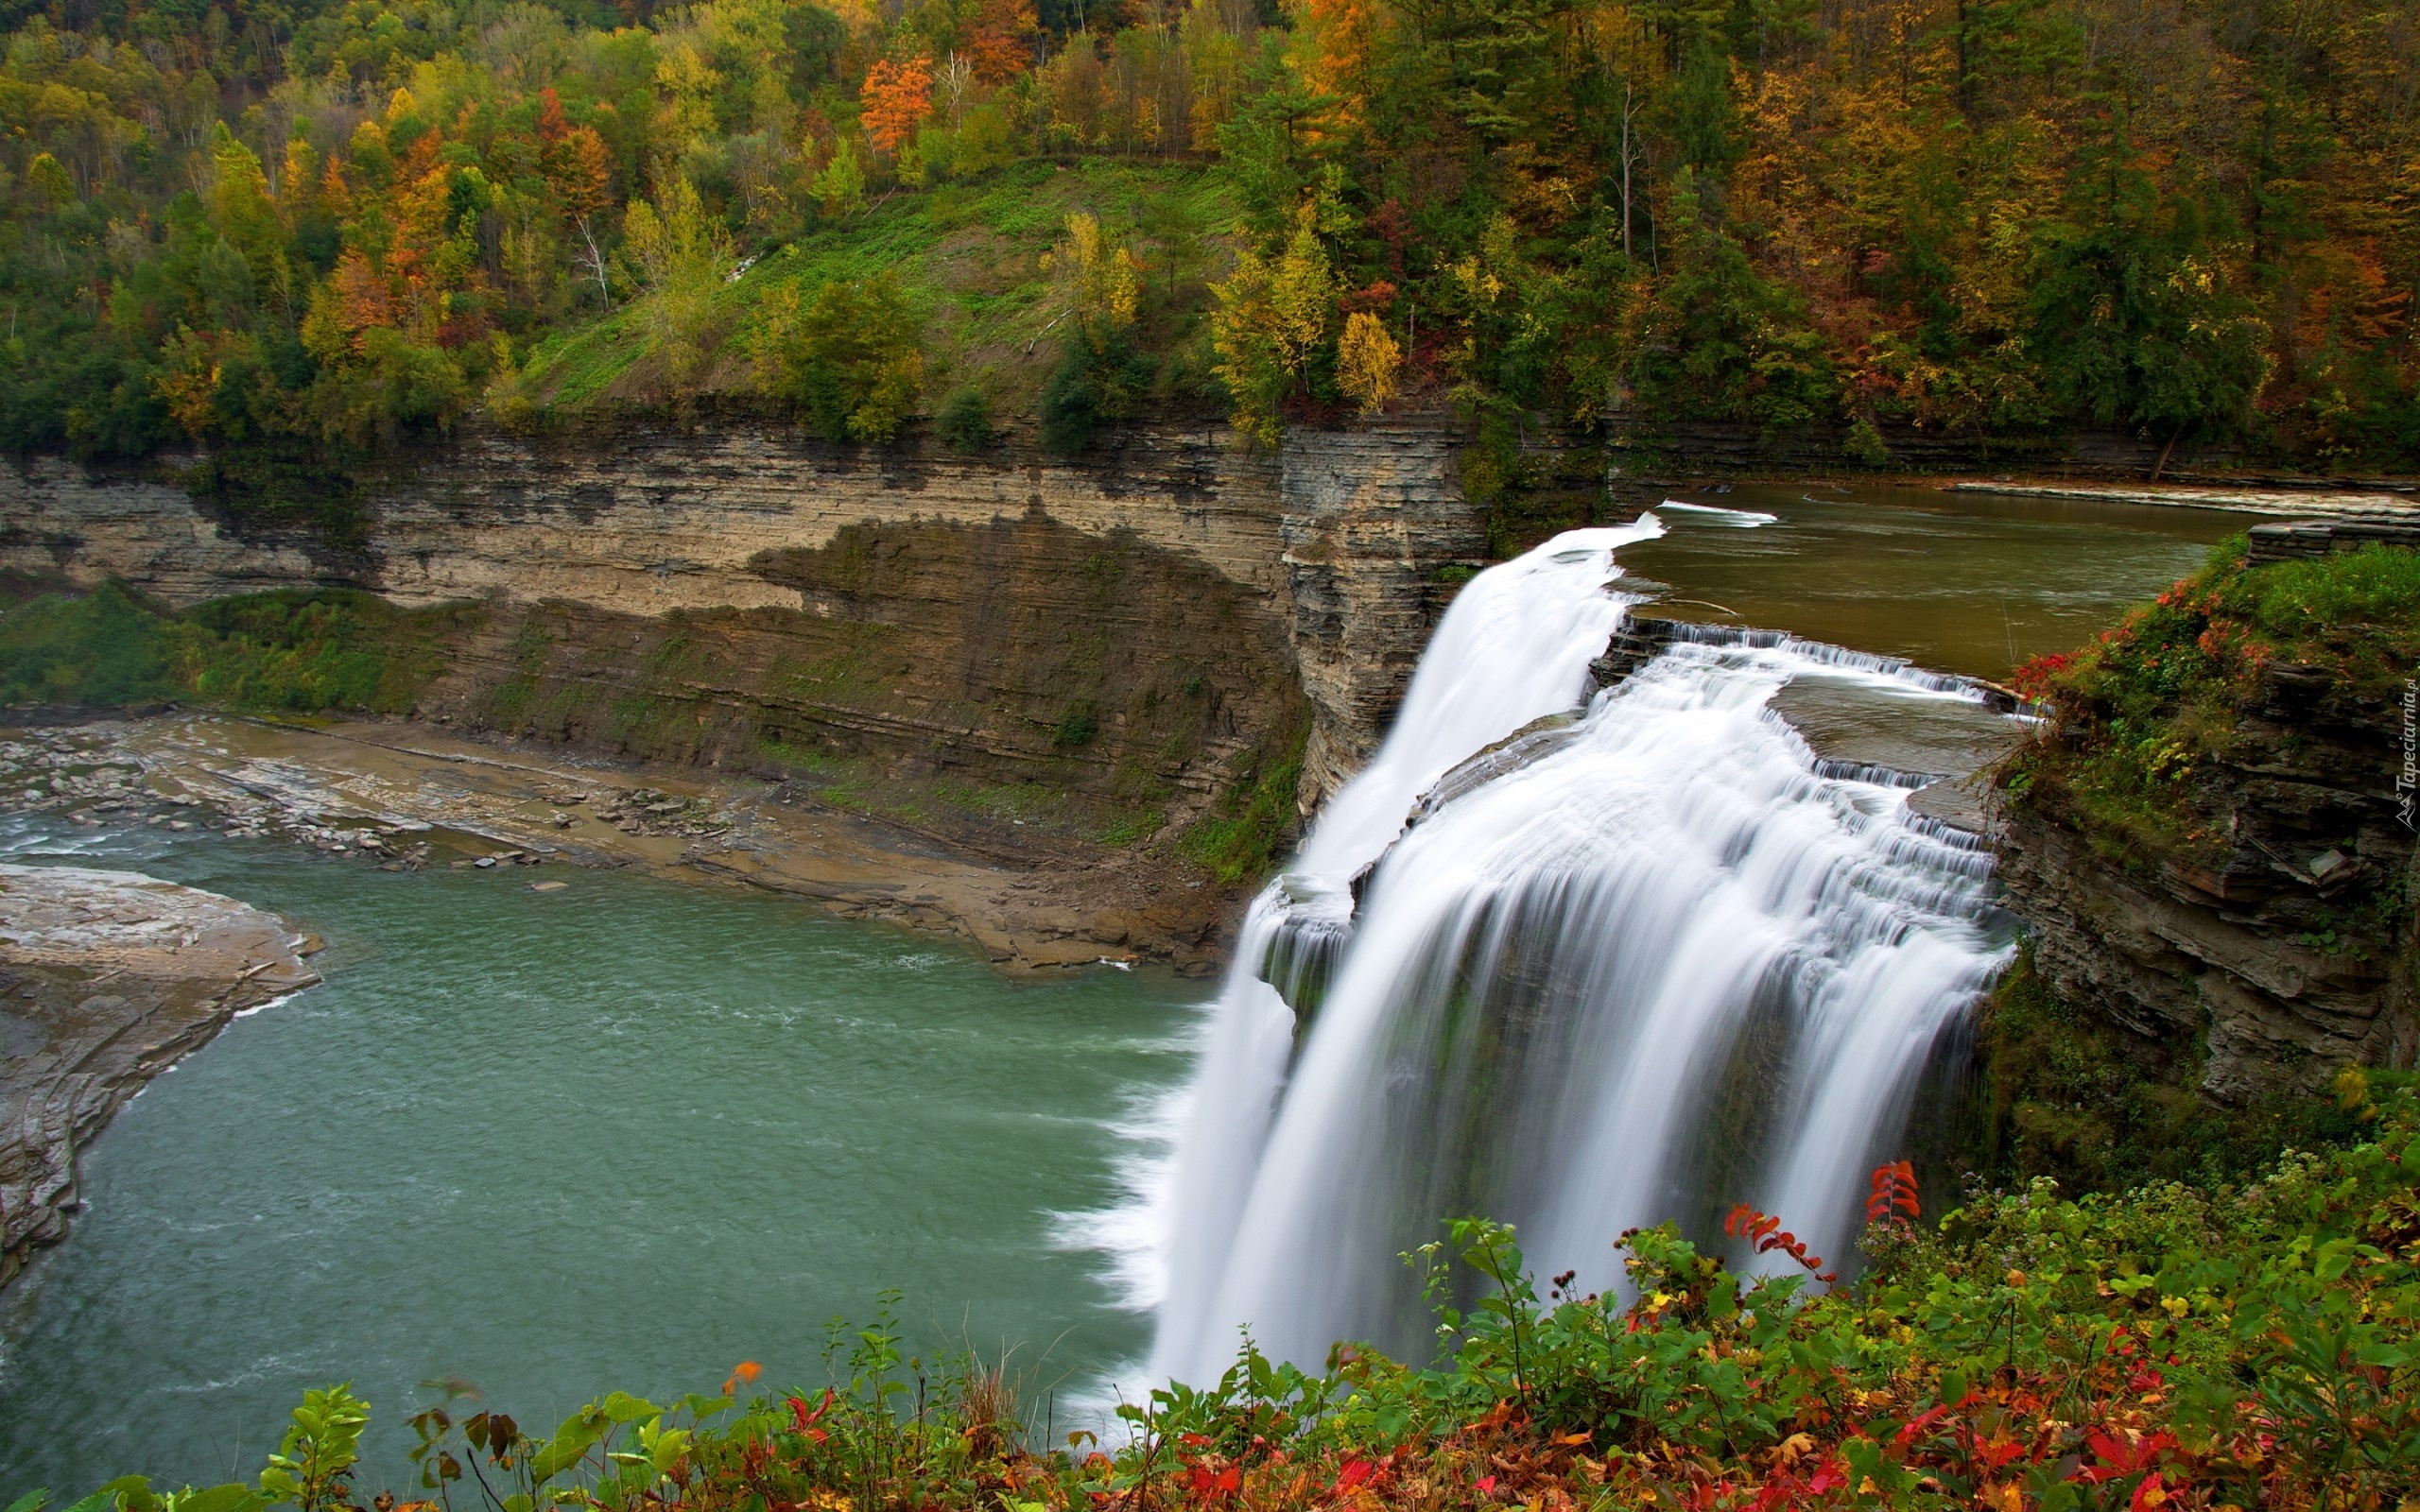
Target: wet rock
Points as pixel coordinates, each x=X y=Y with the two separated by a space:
x=106 y=979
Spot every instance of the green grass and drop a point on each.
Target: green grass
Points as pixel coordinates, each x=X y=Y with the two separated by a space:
x=1254 y=818
x=2150 y=714
x=2358 y=612
x=293 y=649
x=1132 y=827
x=1038 y=806
x=969 y=256
x=819 y=766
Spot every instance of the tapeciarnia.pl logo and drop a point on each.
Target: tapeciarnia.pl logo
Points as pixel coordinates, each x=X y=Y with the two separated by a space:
x=2408 y=780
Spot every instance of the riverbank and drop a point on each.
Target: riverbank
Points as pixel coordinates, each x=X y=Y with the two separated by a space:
x=2211 y=838
x=2395 y=503
x=404 y=796
x=107 y=979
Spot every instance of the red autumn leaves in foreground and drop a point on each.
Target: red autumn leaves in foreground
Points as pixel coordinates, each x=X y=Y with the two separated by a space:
x=2251 y=1345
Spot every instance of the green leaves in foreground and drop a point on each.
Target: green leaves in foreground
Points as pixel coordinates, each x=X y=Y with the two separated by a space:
x=2180 y=1347
x=312 y=1469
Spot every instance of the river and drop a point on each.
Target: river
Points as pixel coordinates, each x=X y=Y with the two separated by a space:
x=617 y=1137
x=625 y=1135
x=1970 y=583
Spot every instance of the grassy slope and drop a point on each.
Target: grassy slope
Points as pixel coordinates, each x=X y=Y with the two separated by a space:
x=2150 y=714
x=969 y=256
x=294 y=650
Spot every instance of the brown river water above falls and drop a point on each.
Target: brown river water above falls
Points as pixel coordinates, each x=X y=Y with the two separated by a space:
x=1971 y=583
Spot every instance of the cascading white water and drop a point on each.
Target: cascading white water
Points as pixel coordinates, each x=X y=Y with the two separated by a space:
x=1670 y=962
x=1514 y=645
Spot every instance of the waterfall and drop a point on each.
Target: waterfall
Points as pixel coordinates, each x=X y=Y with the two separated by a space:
x=1630 y=966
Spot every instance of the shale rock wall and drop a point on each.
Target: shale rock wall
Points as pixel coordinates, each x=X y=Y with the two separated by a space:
x=1374 y=533
x=2267 y=970
x=1145 y=621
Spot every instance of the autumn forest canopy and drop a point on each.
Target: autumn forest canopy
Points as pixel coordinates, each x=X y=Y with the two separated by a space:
x=310 y=229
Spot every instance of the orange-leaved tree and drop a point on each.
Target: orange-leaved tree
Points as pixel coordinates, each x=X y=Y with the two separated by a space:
x=897 y=93
x=579 y=173
x=1000 y=43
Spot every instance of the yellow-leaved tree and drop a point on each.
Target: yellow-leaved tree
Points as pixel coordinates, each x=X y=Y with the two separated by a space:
x=678 y=254
x=1368 y=362
x=1103 y=281
x=1101 y=376
x=1272 y=315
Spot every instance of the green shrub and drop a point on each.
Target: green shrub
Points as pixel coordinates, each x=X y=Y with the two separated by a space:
x=965 y=422
x=292 y=649
x=1079 y=726
x=1091 y=389
x=850 y=359
x=1072 y=406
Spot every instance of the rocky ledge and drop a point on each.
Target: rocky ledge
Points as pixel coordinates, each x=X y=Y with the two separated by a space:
x=403 y=796
x=2265 y=968
x=107 y=978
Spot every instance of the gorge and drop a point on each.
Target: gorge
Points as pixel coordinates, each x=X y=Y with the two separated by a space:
x=1603 y=796
x=1209 y=756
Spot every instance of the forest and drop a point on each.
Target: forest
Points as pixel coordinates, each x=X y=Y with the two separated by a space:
x=294 y=233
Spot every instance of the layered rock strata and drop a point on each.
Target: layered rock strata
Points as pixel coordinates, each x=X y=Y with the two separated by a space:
x=1376 y=540
x=2285 y=541
x=1161 y=615
x=2267 y=967
x=107 y=978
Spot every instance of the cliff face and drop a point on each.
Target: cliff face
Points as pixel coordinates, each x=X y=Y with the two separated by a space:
x=1139 y=625
x=2281 y=963
x=1372 y=526
x=1019 y=651
x=2282 y=948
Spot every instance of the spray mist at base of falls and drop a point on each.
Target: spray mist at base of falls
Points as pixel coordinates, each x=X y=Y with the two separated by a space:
x=1631 y=968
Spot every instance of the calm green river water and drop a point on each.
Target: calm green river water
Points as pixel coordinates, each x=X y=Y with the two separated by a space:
x=628 y=1134
x=1959 y=582
x=622 y=1136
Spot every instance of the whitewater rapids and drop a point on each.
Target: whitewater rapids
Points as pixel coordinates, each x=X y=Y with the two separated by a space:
x=1669 y=962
